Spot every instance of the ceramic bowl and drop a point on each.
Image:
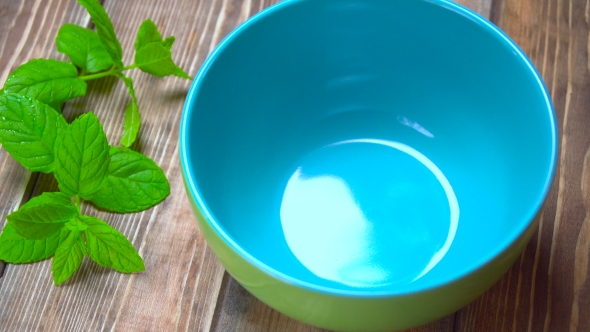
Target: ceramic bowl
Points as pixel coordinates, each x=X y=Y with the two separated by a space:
x=367 y=165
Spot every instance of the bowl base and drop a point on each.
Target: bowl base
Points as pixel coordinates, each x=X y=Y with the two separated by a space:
x=368 y=213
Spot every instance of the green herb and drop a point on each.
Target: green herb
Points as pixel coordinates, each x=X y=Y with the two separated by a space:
x=42 y=216
x=134 y=183
x=28 y=130
x=110 y=248
x=82 y=157
x=132 y=117
x=68 y=256
x=152 y=54
x=104 y=29
x=84 y=48
x=86 y=167
x=16 y=249
x=48 y=81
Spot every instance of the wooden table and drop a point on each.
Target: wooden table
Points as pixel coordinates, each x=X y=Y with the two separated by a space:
x=184 y=287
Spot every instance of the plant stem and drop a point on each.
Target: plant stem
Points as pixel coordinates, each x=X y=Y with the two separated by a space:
x=79 y=203
x=106 y=73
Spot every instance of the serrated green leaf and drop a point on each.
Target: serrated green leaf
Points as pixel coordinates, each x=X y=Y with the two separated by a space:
x=152 y=54
x=134 y=183
x=167 y=43
x=110 y=248
x=16 y=249
x=68 y=257
x=131 y=125
x=36 y=231
x=56 y=107
x=155 y=59
x=28 y=131
x=132 y=121
x=84 y=248
x=82 y=157
x=83 y=47
x=180 y=73
x=148 y=33
x=42 y=216
x=50 y=197
x=104 y=29
x=76 y=224
x=46 y=80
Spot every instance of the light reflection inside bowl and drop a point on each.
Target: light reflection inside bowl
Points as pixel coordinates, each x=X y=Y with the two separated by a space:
x=396 y=237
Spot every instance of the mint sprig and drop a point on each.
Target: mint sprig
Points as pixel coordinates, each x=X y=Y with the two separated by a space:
x=68 y=256
x=42 y=216
x=49 y=81
x=84 y=48
x=152 y=53
x=87 y=168
x=28 y=131
x=134 y=179
x=82 y=157
x=110 y=248
x=132 y=117
x=104 y=29
x=16 y=249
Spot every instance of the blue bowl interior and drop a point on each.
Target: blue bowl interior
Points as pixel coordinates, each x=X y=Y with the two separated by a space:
x=388 y=146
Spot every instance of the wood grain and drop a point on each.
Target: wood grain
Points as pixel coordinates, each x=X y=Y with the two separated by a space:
x=548 y=288
x=482 y=7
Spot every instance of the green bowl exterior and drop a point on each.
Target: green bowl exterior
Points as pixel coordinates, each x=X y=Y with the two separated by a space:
x=357 y=313
x=357 y=309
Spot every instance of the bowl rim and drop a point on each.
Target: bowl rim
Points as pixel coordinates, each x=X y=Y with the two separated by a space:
x=194 y=192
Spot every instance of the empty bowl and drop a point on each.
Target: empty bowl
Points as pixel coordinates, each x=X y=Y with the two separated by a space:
x=367 y=165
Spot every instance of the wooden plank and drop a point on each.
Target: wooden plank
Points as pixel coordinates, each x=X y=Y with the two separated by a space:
x=482 y=7
x=548 y=289
x=238 y=310
x=179 y=289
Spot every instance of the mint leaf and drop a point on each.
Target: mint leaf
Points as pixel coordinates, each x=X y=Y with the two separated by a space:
x=48 y=81
x=156 y=59
x=76 y=224
x=110 y=248
x=134 y=183
x=42 y=216
x=56 y=107
x=50 y=197
x=148 y=33
x=152 y=54
x=132 y=118
x=68 y=257
x=16 y=249
x=180 y=73
x=167 y=43
x=131 y=125
x=35 y=231
x=28 y=131
x=83 y=47
x=82 y=157
x=104 y=29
